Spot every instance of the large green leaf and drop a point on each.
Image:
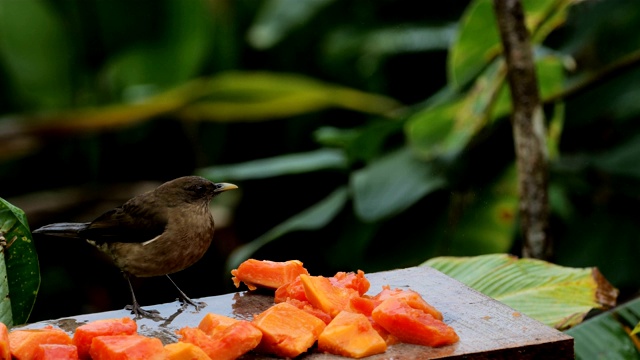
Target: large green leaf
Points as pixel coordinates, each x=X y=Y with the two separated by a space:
x=478 y=40
x=288 y=164
x=257 y=96
x=21 y=260
x=391 y=184
x=476 y=45
x=554 y=295
x=232 y=96
x=312 y=218
x=606 y=336
x=36 y=52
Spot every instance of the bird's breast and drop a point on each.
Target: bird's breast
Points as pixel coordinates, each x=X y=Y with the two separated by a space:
x=184 y=241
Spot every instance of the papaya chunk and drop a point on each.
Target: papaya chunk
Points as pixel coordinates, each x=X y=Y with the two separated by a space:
x=350 y=280
x=130 y=347
x=84 y=334
x=267 y=274
x=5 y=350
x=362 y=305
x=212 y=323
x=286 y=330
x=351 y=334
x=24 y=343
x=56 y=352
x=411 y=325
x=227 y=344
x=411 y=297
x=325 y=296
x=293 y=290
x=306 y=306
x=185 y=351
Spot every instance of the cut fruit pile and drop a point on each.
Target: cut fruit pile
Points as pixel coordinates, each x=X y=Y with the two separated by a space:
x=332 y=314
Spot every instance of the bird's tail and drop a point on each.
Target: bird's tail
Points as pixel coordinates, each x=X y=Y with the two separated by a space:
x=66 y=230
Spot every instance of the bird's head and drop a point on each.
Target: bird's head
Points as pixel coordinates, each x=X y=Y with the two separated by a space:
x=193 y=189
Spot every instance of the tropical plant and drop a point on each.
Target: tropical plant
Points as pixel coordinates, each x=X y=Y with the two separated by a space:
x=381 y=127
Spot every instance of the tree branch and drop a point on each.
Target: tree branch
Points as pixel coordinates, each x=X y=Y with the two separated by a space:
x=528 y=129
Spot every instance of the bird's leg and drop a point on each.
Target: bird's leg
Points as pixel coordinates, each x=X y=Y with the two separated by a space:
x=136 y=308
x=185 y=300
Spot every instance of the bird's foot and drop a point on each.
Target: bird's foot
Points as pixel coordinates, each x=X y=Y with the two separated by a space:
x=140 y=312
x=186 y=301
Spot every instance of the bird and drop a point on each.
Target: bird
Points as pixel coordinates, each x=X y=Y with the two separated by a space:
x=157 y=233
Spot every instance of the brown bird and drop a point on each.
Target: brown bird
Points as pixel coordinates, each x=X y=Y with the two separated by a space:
x=156 y=233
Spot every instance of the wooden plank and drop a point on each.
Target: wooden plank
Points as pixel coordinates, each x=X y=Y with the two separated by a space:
x=487 y=328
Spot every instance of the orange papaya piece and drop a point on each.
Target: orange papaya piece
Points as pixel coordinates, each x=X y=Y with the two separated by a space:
x=362 y=305
x=411 y=325
x=410 y=297
x=212 y=323
x=286 y=330
x=185 y=351
x=5 y=350
x=24 y=343
x=84 y=334
x=306 y=306
x=351 y=335
x=350 y=280
x=228 y=344
x=325 y=296
x=267 y=274
x=56 y=352
x=292 y=290
x=130 y=347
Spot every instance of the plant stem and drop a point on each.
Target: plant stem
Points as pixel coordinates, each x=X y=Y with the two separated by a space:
x=528 y=129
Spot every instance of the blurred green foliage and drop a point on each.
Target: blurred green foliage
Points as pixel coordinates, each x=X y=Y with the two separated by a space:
x=382 y=126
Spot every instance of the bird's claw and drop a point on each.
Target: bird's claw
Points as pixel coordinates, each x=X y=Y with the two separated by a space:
x=185 y=301
x=140 y=312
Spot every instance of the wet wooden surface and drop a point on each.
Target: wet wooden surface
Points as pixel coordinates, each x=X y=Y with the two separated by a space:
x=487 y=328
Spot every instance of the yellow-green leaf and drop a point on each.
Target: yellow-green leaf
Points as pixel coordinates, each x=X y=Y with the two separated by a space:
x=554 y=295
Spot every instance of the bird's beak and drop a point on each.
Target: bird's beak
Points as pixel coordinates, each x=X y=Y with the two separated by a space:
x=221 y=187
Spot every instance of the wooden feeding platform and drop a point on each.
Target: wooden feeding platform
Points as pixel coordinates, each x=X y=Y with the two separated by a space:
x=487 y=328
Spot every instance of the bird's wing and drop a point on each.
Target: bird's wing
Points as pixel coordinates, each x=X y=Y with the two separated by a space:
x=129 y=223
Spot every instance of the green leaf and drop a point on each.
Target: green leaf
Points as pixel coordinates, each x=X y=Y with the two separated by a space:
x=550 y=73
x=391 y=184
x=446 y=129
x=360 y=144
x=22 y=268
x=232 y=96
x=487 y=222
x=478 y=41
x=315 y=217
x=372 y=46
x=606 y=336
x=288 y=164
x=36 y=52
x=259 y=96
x=554 y=295
x=277 y=17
